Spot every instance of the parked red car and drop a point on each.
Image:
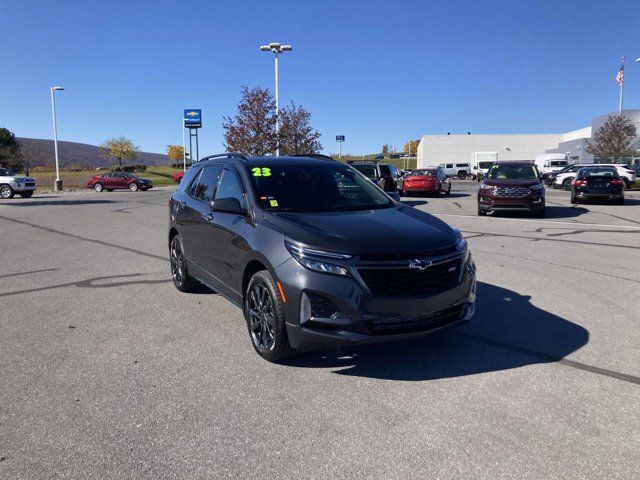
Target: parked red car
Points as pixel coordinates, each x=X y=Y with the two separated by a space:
x=177 y=176
x=426 y=181
x=119 y=180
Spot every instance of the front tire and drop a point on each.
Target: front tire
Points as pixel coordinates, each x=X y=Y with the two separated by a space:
x=179 y=273
x=481 y=213
x=6 y=192
x=574 y=199
x=28 y=194
x=264 y=313
x=133 y=186
x=98 y=187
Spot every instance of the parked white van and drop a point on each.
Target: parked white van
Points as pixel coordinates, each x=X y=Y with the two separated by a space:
x=481 y=162
x=551 y=162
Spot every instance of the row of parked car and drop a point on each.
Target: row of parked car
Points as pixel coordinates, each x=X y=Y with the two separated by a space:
x=518 y=186
x=564 y=177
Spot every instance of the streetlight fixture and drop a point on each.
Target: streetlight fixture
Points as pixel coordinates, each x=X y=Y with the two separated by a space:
x=58 y=185
x=276 y=49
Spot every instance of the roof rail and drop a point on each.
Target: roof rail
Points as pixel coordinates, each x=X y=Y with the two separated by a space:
x=319 y=156
x=225 y=155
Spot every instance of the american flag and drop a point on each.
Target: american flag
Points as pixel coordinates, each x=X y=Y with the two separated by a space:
x=620 y=76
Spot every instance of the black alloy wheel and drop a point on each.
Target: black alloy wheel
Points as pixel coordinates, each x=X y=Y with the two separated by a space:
x=263 y=309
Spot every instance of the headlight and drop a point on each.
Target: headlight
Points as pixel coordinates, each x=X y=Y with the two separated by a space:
x=461 y=245
x=486 y=187
x=536 y=188
x=314 y=259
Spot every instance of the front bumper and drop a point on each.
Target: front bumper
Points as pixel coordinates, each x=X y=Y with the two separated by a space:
x=530 y=203
x=365 y=318
x=23 y=186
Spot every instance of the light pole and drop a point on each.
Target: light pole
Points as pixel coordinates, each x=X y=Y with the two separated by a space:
x=58 y=185
x=276 y=49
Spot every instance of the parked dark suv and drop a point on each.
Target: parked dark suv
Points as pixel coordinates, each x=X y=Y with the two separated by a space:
x=512 y=186
x=385 y=175
x=315 y=254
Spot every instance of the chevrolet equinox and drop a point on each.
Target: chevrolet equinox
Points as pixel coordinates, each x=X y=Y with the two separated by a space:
x=315 y=254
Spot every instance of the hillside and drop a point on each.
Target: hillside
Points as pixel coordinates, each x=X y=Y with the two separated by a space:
x=72 y=154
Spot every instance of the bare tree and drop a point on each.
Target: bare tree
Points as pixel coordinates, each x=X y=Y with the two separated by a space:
x=385 y=149
x=29 y=156
x=614 y=138
x=296 y=135
x=252 y=130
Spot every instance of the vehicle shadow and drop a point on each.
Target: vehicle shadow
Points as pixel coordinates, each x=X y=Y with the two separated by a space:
x=551 y=211
x=413 y=203
x=507 y=332
x=54 y=203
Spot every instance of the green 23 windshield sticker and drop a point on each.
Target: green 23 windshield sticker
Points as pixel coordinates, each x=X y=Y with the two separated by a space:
x=261 y=172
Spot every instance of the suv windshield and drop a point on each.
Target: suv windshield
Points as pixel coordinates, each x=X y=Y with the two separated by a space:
x=558 y=163
x=485 y=164
x=366 y=170
x=499 y=171
x=313 y=188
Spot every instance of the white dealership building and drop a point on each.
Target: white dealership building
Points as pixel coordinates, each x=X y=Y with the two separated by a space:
x=452 y=148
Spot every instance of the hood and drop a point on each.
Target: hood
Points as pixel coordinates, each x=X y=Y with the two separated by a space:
x=510 y=182
x=19 y=178
x=398 y=230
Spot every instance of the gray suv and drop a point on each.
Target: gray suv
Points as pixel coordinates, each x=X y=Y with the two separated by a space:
x=315 y=254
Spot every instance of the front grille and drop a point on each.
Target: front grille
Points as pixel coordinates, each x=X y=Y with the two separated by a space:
x=412 y=281
x=511 y=192
x=30 y=184
x=408 y=256
x=421 y=323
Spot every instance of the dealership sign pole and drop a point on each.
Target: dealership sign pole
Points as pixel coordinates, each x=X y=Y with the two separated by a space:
x=339 y=139
x=58 y=184
x=193 y=121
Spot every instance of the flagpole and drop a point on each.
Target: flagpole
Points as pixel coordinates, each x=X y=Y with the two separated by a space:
x=621 y=91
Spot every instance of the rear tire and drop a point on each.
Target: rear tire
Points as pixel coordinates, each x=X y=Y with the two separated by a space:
x=28 y=194
x=179 y=273
x=566 y=184
x=462 y=175
x=264 y=313
x=574 y=199
x=448 y=192
x=6 y=192
x=98 y=187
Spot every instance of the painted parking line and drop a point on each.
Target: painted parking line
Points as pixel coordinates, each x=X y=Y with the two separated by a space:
x=535 y=221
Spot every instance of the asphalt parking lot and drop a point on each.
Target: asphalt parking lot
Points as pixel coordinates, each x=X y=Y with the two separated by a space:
x=109 y=372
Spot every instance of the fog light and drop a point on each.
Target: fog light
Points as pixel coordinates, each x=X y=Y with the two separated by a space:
x=305 y=308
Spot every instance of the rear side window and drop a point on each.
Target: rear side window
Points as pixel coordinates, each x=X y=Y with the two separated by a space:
x=231 y=187
x=204 y=186
x=462 y=165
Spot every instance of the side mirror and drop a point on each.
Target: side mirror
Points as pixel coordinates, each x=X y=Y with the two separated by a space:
x=394 y=195
x=227 y=205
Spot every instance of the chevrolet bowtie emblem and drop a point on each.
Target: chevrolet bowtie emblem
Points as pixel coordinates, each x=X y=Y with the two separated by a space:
x=192 y=114
x=420 y=264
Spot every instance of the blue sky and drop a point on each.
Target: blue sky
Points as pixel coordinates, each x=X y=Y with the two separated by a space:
x=375 y=71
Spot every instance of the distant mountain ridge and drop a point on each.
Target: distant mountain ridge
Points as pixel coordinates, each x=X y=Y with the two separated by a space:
x=73 y=154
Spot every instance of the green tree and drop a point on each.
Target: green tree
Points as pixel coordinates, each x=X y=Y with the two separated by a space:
x=9 y=149
x=120 y=148
x=614 y=138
